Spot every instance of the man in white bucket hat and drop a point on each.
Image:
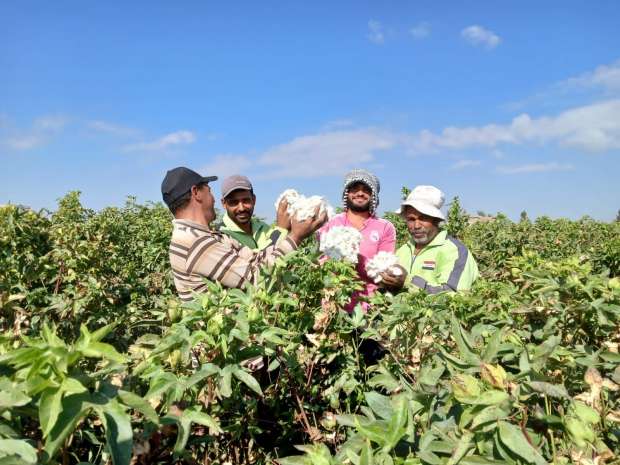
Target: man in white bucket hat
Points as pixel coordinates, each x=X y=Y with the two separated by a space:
x=434 y=261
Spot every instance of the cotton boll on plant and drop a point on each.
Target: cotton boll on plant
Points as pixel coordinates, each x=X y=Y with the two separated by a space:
x=301 y=207
x=341 y=243
x=380 y=263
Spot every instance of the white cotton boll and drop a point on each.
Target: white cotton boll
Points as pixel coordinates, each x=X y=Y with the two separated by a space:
x=291 y=196
x=301 y=207
x=381 y=262
x=341 y=243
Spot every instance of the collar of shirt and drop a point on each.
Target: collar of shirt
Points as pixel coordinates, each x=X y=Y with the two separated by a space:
x=192 y=224
x=366 y=222
x=438 y=240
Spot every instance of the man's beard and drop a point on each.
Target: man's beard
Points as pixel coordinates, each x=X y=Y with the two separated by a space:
x=246 y=220
x=429 y=235
x=358 y=208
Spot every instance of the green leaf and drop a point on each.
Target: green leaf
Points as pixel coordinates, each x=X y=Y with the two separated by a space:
x=11 y=395
x=73 y=408
x=140 y=404
x=374 y=431
x=196 y=416
x=487 y=415
x=464 y=444
x=493 y=346
x=396 y=429
x=491 y=397
x=49 y=409
x=463 y=342
x=225 y=381
x=103 y=350
x=366 y=458
x=512 y=437
x=552 y=390
x=206 y=370
x=380 y=404
x=247 y=379
x=102 y=332
x=118 y=432
x=17 y=448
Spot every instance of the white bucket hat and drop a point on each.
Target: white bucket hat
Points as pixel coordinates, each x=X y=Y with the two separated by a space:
x=427 y=200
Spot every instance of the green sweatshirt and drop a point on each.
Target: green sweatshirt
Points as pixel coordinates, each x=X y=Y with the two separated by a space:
x=444 y=264
x=262 y=235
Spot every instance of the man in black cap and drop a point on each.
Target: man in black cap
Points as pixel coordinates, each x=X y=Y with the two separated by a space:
x=197 y=252
x=238 y=222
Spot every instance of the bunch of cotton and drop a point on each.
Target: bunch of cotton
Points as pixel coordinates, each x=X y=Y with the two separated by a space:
x=301 y=207
x=341 y=242
x=381 y=262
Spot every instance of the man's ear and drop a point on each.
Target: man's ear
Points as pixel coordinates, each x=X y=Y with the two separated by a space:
x=223 y=200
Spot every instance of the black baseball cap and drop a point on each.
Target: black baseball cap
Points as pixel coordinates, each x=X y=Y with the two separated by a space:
x=179 y=181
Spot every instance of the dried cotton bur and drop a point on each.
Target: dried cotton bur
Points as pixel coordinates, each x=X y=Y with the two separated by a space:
x=380 y=263
x=341 y=242
x=301 y=207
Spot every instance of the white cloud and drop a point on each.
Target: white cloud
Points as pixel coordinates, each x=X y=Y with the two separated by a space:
x=50 y=123
x=226 y=165
x=325 y=153
x=375 y=32
x=477 y=35
x=420 y=30
x=163 y=143
x=535 y=168
x=593 y=128
x=606 y=77
x=462 y=164
x=24 y=143
x=40 y=133
x=111 y=128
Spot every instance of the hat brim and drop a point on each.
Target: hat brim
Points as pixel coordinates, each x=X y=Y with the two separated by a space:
x=423 y=208
x=208 y=179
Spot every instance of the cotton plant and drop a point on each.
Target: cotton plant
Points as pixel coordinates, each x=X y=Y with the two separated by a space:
x=341 y=243
x=380 y=263
x=301 y=207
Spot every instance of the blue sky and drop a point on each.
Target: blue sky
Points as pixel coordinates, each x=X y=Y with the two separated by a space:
x=510 y=105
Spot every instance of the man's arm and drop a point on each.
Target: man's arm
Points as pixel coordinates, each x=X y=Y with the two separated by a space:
x=233 y=267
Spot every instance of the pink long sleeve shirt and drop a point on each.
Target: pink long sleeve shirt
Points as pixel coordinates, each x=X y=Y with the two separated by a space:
x=377 y=235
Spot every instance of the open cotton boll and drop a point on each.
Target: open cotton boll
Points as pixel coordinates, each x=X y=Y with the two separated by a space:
x=291 y=196
x=341 y=243
x=301 y=207
x=381 y=262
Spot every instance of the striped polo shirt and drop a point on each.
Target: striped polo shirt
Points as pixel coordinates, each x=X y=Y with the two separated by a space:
x=196 y=253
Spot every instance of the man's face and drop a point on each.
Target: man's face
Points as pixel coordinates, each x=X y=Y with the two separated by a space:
x=239 y=206
x=204 y=197
x=358 y=197
x=423 y=228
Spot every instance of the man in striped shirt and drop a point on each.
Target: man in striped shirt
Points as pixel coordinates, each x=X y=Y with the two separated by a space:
x=197 y=252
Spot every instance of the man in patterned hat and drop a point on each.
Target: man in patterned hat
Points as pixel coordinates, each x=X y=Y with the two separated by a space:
x=360 y=199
